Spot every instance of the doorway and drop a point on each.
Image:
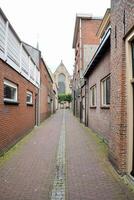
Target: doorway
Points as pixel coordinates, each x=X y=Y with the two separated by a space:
x=132 y=47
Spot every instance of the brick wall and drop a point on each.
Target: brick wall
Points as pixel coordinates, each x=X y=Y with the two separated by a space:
x=15 y=120
x=122 y=19
x=89 y=30
x=45 y=90
x=99 y=118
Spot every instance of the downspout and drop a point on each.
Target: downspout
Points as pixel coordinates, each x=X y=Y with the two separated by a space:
x=39 y=107
x=39 y=99
x=85 y=103
x=81 y=109
x=80 y=45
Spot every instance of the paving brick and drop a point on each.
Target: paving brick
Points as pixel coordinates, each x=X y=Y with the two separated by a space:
x=61 y=149
x=89 y=171
x=29 y=174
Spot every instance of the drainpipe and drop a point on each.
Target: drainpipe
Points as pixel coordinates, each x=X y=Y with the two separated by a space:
x=39 y=99
x=86 y=102
x=81 y=109
x=39 y=107
x=80 y=46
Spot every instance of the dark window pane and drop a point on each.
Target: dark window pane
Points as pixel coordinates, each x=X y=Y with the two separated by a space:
x=9 y=92
x=61 y=87
x=93 y=96
x=61 y=84
x=28 y=98
x=108 y=91
x=104 y=92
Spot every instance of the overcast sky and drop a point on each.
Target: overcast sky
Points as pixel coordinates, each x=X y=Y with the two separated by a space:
x=51 y=22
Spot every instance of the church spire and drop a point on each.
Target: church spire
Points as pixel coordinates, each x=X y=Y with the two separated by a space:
x=37 y=46
x=61 y=62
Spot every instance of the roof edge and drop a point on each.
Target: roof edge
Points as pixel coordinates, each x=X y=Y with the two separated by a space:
x=47 y=69
x=107 y=35
x=104 y=22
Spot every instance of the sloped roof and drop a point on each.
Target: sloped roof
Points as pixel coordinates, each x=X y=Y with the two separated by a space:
x=62 y=65
x=104 y=24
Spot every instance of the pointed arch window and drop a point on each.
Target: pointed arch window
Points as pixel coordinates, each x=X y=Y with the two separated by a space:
x=61 y=83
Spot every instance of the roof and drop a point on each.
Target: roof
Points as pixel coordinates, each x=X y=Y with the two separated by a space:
x=47 y=69
x=34 y=52
x=104 y=24
x=77 y=22
x=14 y=32
x=99 y=52
x=62 y=64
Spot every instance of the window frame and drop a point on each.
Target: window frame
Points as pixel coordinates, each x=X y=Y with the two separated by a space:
x=12 y=85
x=29 y=93
x=104 y=103
x=132 y=50
x=93 y=88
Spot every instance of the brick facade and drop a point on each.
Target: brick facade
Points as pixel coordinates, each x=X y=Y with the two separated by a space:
x=25 y=85
x=15 y=120
x=122 y=20
x=84 y=41
x=46 y=88
x=99 y=117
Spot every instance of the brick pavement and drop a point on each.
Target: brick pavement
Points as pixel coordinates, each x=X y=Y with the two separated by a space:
x=34 y=172
x=58 y=190
x=29 y=174
x=90 y=175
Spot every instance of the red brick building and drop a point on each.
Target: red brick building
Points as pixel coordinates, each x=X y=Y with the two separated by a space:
x=19 y=87
x=110 y=79
x=85 y=43
x=26 y=87
x=122 y=65
x=46 y=92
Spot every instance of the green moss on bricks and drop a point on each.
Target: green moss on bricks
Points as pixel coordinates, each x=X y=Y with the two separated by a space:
x=15 y=149
x=101 y=143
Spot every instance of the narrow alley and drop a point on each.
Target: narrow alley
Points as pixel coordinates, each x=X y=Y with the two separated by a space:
x=60 y=160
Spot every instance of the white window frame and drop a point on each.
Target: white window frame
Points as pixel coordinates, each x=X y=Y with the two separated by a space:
x=12 y=85
x=31 y=97
x=103 y=98
x=93 y=89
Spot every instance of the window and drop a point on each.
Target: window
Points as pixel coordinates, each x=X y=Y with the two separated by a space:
x=10 y=91
x=61 y=83
x=105 y=90
x=93 y=96
x=29 y=97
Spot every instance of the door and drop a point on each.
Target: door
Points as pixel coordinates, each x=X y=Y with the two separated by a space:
x=132 y=172
x=83 y=109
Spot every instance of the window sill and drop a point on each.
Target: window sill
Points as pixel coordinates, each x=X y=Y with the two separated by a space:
x=29 y=104
x=93 y=107
x=11 y=102
x=105 y=107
